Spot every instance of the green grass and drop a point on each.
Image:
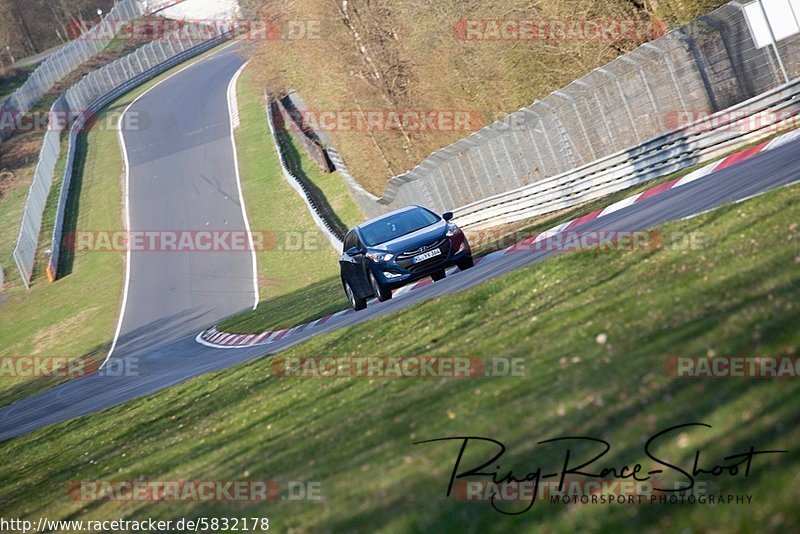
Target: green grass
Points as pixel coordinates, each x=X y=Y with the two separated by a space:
x=299 y=273
x=14 y=184
x=75 y=316
x=329 y=189
x=737 y=296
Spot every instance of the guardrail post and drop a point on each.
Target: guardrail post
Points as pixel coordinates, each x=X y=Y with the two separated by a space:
x=571 y=100
x=546 y=136
x=515 y=130
x=599 y=106
x=564 y=140
x=622 y=98
x=670 y=69
x=504 y=138
x=640 y=70
x=529 y=129
x=690 y=44
x=137 y=56
x=470 y=152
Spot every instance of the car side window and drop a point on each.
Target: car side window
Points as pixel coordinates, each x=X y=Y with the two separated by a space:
x=350 y=240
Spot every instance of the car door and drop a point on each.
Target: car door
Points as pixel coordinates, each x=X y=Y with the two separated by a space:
x=352 y=266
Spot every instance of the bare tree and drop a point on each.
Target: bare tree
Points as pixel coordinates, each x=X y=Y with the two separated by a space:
x=26 y=32
x=8 y=34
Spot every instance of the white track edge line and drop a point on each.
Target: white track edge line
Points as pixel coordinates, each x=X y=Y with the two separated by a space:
x=126 y=197
x=232 y=90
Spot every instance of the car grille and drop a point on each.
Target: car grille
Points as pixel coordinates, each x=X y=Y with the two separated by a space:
x=404 y=259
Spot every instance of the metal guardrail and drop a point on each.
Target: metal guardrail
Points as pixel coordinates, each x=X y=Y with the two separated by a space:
x=84 y=98
x=63 y=61
x=291 y=122
x=664 y=154
x=333 y=236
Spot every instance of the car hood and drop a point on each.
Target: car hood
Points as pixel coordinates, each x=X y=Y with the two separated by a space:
x=414 y=240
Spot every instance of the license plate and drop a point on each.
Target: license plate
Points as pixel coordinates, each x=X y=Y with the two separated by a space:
x=427 y=255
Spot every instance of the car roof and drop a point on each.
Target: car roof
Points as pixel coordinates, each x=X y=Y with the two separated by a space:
x=391 y=213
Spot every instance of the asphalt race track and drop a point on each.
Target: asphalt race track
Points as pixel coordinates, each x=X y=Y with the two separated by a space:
x=181 y=177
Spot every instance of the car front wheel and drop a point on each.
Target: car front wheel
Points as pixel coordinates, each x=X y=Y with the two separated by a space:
x=355 y=302
x=380 y=292
x=466 y=263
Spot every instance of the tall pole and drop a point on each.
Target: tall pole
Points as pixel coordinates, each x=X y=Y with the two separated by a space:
x=774 y=44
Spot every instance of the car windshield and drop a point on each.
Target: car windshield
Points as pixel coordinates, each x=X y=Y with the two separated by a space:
x=396 y=225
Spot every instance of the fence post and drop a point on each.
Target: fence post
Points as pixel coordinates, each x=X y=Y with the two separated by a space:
x=671 y=69
x=563 y=135
x=622 y=99
x=571 y=100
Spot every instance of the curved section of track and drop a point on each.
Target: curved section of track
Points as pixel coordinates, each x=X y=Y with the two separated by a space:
x=182 y=177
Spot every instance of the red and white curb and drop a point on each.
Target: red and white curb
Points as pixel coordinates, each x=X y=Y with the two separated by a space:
x=724 y=163
x=224 y=340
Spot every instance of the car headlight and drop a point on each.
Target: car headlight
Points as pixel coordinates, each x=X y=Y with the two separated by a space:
x=452 y=230
x=380 y=257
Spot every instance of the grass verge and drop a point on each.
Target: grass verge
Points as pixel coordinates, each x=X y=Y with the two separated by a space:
x=328 y=189
x=299 y=272
x=737 y=296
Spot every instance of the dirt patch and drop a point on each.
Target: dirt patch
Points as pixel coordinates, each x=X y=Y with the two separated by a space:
x=47 y=338
x=18 y=158
x=96 y=62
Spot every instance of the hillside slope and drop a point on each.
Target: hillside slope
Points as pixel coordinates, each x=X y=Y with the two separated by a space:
x=358 y=55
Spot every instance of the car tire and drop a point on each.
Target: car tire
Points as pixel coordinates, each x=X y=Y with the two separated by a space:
x=466 y=263
x=438 y=275
x=356 y=303
x=381 y=292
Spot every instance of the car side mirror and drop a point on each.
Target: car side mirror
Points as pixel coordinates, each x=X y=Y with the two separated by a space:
x=447 y=215
x=352 y=251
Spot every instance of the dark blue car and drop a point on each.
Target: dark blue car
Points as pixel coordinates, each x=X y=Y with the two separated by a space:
x=400 y=247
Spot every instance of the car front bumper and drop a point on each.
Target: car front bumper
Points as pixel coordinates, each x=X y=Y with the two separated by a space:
x=407 y=276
